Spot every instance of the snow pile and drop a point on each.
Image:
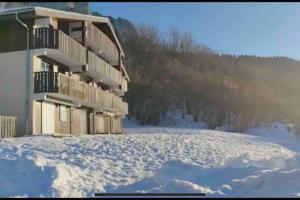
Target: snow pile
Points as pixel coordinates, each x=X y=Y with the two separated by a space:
x=155 y=159
x=226 y=127
x=162 y=160
x=270 y=182
x=278 y=132
x=176 y=176
x=180 y=186
x=15 y=174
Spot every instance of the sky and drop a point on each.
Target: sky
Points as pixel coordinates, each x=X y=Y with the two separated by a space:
x=262 y=29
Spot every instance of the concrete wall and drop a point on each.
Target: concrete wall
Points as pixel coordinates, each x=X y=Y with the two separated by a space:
x=12 y=87
x=13 y=35
x=37 y=117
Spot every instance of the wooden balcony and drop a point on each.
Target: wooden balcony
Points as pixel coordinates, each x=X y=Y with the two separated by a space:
x=70 y=50
x=102 y=45
x=102 y=71
x=53 y=82
x=120 y=91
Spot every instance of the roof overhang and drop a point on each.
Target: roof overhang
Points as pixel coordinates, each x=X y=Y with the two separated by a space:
x=24 y=12
x=48 y=12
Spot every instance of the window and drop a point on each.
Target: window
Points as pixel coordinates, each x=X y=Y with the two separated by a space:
x=45 y=66
x=76 y=29
x=55 y=68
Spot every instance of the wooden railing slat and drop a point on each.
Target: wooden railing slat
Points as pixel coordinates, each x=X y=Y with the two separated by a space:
x=7 y=127
x=71 y=47
x=104 y=43
x=100 y=66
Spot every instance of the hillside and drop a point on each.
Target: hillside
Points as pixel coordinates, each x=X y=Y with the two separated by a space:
x=174 y=72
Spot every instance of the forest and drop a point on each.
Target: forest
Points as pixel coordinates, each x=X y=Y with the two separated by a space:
x=174 y=71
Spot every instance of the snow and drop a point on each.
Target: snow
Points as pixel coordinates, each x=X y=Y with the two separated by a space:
x=154 y=159
x=278 y=132
x=173 y=118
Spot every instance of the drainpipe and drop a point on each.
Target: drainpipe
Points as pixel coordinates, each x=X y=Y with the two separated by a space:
x=27 y=69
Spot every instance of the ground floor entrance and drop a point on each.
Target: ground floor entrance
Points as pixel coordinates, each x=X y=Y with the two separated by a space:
x=48 y=118
x=54 y=118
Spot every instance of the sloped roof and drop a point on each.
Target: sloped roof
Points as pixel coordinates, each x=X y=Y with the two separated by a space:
x=48 y=12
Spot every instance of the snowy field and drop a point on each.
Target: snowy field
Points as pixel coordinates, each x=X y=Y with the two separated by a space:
x=149 y=159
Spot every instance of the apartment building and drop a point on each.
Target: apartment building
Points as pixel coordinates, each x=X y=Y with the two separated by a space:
x=61 y=72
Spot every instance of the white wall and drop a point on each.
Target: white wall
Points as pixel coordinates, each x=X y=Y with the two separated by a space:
x=12 y=88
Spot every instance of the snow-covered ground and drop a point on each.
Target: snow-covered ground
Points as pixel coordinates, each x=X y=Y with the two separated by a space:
x=174 y=119
x=149 y=159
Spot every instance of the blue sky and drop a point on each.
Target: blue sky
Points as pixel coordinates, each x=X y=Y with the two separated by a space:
x=262 y=29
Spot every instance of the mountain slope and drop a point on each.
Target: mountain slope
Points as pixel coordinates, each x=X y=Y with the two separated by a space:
x=174 y=72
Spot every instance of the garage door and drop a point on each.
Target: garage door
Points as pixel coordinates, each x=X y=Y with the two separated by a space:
x=79 y=121
x=100 y=124
x=48 y=118
x=84 y=122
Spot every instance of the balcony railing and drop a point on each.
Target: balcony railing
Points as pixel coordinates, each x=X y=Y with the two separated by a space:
x=7 y=126
x=56 y=39
x=53 y=82
x=104 y=69
x=102 y=44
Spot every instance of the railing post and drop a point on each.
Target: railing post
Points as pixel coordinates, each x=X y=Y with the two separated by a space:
x=43 y=37
x=34 y=82
x=55 y=39
x=56 y=82
x=33 y=38
x=51 y=35
x=68 y=86
x=42 y=81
